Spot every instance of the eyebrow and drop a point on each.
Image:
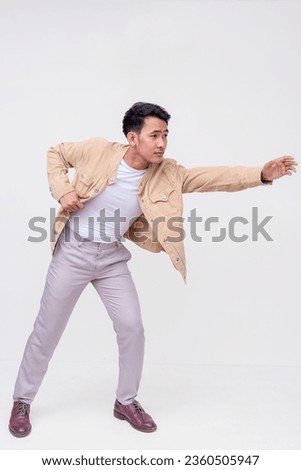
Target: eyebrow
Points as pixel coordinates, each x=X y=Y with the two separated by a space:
x=157 y=130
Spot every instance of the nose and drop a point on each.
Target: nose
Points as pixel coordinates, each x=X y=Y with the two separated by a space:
x=160 y=143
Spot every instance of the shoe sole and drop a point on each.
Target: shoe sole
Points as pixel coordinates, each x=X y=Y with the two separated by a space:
x=19 y=434
x=125 y=418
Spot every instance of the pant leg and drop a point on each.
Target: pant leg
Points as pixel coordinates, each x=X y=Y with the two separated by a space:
x=65 y=281
x=118 y=293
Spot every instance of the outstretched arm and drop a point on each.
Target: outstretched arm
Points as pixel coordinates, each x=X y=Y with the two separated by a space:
x=278 y=167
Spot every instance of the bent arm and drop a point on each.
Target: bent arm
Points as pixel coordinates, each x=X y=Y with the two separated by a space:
x=59 y=159
x=71 y=155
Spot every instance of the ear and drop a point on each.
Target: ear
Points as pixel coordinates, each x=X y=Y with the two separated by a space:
x=131 y=137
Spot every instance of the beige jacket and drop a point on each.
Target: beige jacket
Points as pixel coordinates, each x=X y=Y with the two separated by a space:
x=160 y=190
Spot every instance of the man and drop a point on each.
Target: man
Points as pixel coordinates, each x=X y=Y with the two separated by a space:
x=129 y=190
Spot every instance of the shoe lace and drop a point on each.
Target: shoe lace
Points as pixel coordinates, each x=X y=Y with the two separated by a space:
x=22 y=408
x=138 y=407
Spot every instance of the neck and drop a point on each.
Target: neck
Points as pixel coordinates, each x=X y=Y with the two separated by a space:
x=133 y=159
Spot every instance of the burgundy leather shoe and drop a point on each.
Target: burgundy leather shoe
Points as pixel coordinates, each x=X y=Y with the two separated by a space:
x=135 y=415
x=19 y=424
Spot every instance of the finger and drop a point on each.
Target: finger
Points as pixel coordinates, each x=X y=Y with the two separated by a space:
x=291 y=168
x=72 y=207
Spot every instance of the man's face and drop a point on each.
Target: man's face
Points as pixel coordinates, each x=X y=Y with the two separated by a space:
x=151 y=142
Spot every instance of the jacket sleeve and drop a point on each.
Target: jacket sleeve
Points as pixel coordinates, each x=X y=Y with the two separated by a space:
x=219 y=178
x=64 y=156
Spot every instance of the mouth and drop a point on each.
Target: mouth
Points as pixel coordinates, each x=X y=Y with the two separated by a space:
x=160 y=154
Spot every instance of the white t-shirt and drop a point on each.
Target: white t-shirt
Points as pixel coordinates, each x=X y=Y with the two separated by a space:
x=106 y=217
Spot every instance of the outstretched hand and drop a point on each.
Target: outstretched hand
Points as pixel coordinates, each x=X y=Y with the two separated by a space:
x=281 y=166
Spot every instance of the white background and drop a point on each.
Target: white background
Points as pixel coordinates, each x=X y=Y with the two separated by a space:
x=229 y=74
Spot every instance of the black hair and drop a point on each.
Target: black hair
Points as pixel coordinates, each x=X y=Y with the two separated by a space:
x=134 y=117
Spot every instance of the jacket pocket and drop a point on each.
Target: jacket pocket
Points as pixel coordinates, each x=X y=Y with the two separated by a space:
x=84 y=182
x=167 y=201
x=163 y=196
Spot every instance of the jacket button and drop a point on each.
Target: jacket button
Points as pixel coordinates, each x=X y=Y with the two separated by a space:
x=96 y=190
x=112 y=179
x=178 y=259
x=164 y=196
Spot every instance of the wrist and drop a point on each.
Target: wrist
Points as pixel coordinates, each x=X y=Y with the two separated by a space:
x=265 y=180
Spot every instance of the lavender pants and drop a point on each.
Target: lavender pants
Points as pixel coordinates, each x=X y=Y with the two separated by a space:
x=75 y=263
